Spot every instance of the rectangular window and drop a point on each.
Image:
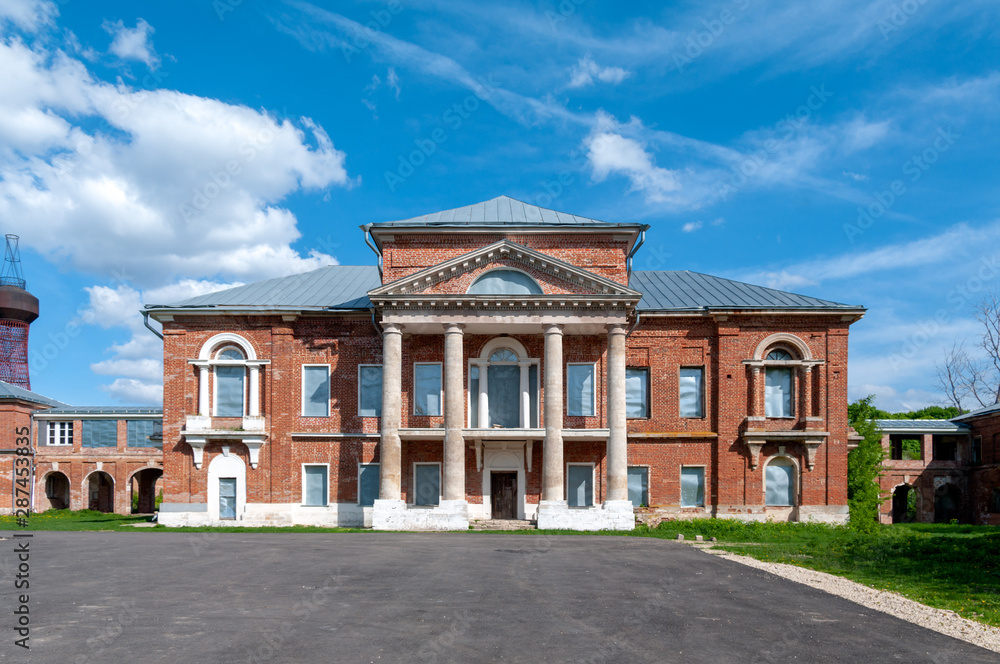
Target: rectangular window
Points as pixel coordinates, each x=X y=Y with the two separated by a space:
x=995 y=501
x=692 y=392
x=427 y=388
x=474 y=396
x=580 y=389
x=780 y=487
x=426 y=484
x=370 y=390
x=637 y=392
x=977 y=450
x=638 y=486
x=60 y=433
x=144 y=433
x=945 y=448
x=778 y=400
x=227 y=497
x=367 y=483
x=315 y=484
x=905 y=447
x=692 y=486
x=229 y=391
x=316 y=390
x=99 y=433
x=580 y=484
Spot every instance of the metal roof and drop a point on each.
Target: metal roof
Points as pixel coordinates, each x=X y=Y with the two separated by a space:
x=104 y=410
x=976 y=413
x=9 y=391
x=671 y=290
x=331 y=287
x=500 y=211
x=915 y=426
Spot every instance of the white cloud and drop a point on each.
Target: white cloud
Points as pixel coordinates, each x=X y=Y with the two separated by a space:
x=857 y=177
x=133 y=43
x=163 y=194
x=586 y=70
x=28 y=15
x=392 y=81
x=691 y=226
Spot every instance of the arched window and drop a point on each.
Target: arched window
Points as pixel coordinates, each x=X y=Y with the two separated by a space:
x=230 y=382
x=779 y=385
x=503 y=386
x=503 y=355
x=230 y=353
x=779 y=477
x=505 y=282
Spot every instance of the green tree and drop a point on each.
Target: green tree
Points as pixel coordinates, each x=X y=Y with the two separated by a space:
x=864 y=466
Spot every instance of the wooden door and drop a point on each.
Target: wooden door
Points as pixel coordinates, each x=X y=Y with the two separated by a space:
x=503 y=495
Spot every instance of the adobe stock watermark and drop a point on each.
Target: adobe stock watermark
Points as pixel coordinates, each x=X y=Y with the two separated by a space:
x=898 y=16
x=454 y=117
x=700 y=40
x=786 y=127
x=957 y=299
x=565 y=9
x=914 y=168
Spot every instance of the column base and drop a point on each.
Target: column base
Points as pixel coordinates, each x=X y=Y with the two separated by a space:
x=612 y=515
x=397 y=515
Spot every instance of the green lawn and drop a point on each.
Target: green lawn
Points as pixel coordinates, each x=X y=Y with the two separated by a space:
x=946 y=566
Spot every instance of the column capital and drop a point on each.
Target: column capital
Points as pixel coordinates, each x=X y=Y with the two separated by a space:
x=392 y=328
x=454 y=328
x=552 y=328
x=615 y=328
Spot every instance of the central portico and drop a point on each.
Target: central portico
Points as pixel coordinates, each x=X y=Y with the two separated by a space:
x=503 y=399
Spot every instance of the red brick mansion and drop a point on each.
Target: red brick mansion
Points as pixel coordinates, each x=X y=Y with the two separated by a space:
x=503 y=361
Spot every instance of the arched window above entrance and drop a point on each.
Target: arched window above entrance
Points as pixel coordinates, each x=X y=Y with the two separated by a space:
x=505 y=282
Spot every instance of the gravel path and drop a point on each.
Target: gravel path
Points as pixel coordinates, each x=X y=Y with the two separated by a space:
x=939 y=620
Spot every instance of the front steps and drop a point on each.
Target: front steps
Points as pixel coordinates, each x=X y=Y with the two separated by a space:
x=502 y=524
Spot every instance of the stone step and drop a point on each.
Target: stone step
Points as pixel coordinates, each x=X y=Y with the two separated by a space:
x=503 y=524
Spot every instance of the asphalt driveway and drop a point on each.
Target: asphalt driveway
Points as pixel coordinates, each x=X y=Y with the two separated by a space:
x=379 y=597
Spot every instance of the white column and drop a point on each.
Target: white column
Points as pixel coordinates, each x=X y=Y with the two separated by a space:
x=618 y=436
x=525 y=397
x=552 y=451
x=484 y=399
x=254 y=391
x=203 y=370
x=389 y=445
x=454 y=399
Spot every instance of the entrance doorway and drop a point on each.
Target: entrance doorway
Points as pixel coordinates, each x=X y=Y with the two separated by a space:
x=904 y=504
x=503 y=495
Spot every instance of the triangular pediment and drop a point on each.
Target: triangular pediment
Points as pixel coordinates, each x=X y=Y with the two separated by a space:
x=452 y=278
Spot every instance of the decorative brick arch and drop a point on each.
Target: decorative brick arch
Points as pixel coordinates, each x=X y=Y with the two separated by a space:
x=783 y=338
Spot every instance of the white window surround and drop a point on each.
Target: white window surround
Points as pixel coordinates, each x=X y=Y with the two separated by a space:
x=59 y=433
x=440 y=388
x=524 y=362
x=593 y=391
x=327 y=492
x=796 y=477
x=413 y=488
x=593 y=481
x=329 y=372
x=360 y=366
x=206 y=363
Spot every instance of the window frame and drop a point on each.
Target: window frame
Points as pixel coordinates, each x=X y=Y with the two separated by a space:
x=704 y=483
x=329 y=385
x=83 y=428
x=358 y=387
x=594 y=390
x=128 y=426
x=413 y=493
x=62 y=428
x=792 y=387
x=976 y=450
x=236 y=498
x=648 y=406
x=361 y=465
x=215 y=385
x=440 y=412
x=326 y=467
x=593 y=483
x=648 y=470
x=701 y=392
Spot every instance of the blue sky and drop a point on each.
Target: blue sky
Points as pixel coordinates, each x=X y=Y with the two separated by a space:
x=844 y=149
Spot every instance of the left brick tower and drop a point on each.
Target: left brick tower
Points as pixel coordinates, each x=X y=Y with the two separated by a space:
x=18 y=309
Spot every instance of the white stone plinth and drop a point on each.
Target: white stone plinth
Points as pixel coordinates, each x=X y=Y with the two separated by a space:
x=612 y=515
x=397 y=515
